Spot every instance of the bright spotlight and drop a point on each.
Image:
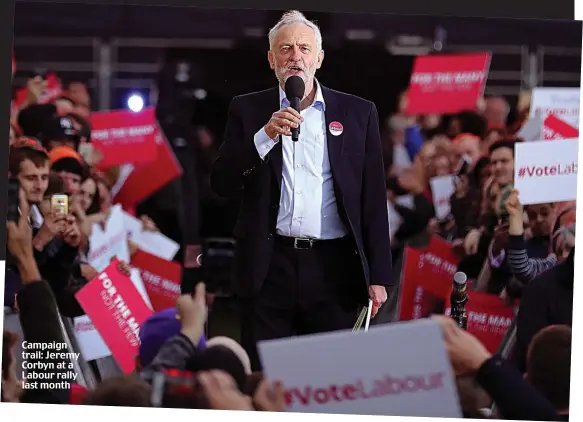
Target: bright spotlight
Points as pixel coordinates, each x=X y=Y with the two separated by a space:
x=136 y=103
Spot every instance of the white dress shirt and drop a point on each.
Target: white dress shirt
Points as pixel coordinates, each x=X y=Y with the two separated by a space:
x=308 y=206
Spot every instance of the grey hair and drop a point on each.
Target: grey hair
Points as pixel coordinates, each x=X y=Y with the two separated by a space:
x=294 y=17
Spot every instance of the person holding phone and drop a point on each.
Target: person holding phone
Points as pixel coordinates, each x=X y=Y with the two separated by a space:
x=56 y=235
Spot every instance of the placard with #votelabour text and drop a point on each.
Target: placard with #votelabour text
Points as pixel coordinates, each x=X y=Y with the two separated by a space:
x=546 y=172
x=386 y=371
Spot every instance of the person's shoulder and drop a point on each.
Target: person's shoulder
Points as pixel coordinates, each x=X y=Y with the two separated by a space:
x=544 y=282
x=347 y=99
x=256 y=96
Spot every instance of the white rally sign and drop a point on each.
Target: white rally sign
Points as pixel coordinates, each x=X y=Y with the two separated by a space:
x=400 y=369
x=546 y=171
x=442 y=188
x=558 y=110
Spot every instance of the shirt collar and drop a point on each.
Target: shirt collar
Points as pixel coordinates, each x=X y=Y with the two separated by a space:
x=36 y=218
x=318 y=100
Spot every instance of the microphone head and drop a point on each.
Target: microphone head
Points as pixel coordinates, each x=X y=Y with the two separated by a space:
x=460 y=279
x=294 y=87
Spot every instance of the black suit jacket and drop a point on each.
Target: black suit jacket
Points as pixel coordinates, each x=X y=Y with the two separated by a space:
x=359 y=184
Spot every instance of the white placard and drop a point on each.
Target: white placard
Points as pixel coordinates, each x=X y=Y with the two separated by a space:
x=442 y=188
x=390 y=370
x=560 y=102
x=154 y=243
x=546 y=172
x=91 y=344
x=109 y=243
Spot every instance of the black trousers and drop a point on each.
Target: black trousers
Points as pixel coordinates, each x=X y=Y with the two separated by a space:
x=306 y=291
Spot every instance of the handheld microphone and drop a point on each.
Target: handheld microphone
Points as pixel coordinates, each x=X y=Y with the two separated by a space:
x=458 y=300
x=294 y=91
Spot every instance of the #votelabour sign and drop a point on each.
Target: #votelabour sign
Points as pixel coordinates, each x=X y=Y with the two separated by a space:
x=360 y=380
x=546 y=172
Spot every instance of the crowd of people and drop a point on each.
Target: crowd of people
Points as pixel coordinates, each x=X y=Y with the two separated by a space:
x=523 y=254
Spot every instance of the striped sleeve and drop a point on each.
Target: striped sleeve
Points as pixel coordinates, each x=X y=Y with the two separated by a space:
x=523 y=267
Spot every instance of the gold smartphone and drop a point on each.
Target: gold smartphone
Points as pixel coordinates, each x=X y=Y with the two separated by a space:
x=60 y=204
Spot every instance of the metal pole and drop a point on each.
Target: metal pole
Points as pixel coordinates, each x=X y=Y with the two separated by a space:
x=532 y=71
x=103 y=53
x=84 y=371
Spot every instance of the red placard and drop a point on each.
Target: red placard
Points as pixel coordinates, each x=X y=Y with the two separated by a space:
x=124 y=137
x=426 y=279
x=161 y=278
x=146 y=179
x=447 y=83
x=488 y=318
x=415 y=300
x=555 y=128
x=117 y=311
x=53 y=90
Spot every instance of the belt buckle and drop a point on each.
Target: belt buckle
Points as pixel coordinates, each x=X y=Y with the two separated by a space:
x=298 y=242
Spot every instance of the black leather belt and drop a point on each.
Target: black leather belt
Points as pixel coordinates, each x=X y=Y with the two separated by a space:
x=307 y=243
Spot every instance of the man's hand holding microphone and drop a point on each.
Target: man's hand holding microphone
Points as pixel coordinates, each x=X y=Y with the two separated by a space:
x=282 y=122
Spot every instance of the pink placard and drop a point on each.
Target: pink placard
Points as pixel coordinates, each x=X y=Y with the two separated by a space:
x=117 y=311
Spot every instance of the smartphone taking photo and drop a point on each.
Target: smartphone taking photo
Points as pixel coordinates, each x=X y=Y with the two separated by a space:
x=60 y=205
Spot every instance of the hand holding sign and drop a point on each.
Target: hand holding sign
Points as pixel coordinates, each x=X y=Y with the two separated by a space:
x=270 y=397
x=465 y=351
x=513 y=205
x=148 y=224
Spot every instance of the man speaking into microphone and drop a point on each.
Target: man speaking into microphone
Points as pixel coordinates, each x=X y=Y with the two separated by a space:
x=313 y=240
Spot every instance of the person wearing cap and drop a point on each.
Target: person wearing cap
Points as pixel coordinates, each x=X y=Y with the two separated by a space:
x=68 y=164
x=155 y=332
x=60 y=131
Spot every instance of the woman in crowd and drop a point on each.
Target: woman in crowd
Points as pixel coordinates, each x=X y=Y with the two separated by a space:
x=87 y=204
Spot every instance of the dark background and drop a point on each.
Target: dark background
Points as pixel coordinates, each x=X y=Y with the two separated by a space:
x=364 y=68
